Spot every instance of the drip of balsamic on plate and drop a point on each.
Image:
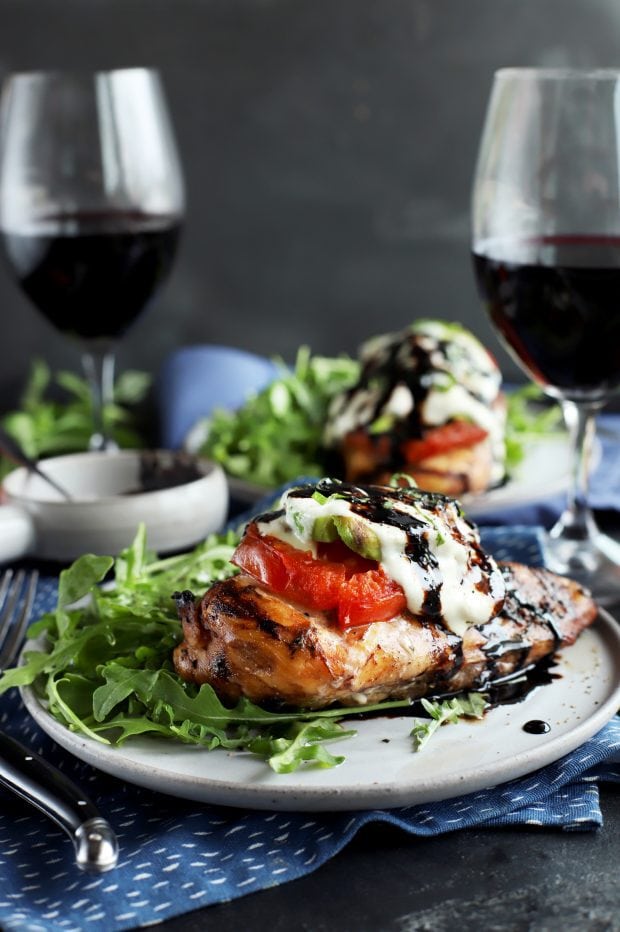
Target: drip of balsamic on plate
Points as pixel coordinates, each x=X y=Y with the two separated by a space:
x=537 y=727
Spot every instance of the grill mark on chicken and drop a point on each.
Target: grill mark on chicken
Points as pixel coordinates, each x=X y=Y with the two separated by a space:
x=302 y=642
x=247 y=641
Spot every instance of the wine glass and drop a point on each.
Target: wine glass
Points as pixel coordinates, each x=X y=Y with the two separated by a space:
x=91 y=204
x=546 y=251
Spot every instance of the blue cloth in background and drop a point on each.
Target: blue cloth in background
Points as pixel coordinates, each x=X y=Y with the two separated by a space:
x=196 y=379
x=177 y=855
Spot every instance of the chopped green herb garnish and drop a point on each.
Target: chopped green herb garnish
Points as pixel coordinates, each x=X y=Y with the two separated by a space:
x=383 y=424
x=398 y=478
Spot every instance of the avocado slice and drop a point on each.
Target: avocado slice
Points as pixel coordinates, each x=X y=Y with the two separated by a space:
x=324 y=530
x=358 y=537
x=353 y=532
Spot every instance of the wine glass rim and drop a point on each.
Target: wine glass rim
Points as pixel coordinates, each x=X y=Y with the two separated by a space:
x=555 y=74
x=39 y=73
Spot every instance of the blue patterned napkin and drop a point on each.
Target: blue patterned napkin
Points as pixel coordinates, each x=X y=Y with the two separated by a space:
x=177 y=855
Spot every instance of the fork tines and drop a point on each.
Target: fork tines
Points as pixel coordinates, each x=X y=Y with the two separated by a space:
x=17 y=591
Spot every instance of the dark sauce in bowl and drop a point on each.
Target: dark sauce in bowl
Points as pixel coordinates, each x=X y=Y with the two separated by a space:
x=166 y=470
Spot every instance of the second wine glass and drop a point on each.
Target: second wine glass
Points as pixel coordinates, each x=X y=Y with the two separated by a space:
x=546 y=245
x=91 y=205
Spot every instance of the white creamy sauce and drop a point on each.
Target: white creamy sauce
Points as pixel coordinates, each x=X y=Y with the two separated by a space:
x=449 y=538
x=400 y=402
x=346 y=415
x=440 y=406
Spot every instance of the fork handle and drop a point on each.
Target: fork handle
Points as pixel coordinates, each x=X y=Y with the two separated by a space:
x=38 y=782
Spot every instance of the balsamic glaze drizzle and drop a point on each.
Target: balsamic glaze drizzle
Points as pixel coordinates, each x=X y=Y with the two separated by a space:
x=507 y=691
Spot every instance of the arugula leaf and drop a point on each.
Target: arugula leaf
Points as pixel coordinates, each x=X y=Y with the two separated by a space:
x=45 y=426
x=277 y=434
x=301 y=744
x=78 y=580
x=530 y=414
x=63 y=710
x=448 y=711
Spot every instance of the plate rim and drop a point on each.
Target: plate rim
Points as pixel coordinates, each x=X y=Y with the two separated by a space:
x=384 y=795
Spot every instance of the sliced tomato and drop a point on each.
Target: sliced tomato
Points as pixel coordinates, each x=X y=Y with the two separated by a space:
x=287 y=570
x=441 y=439
x=354 y=588
x=369 y=596
x=338 y=552
x=256 y=556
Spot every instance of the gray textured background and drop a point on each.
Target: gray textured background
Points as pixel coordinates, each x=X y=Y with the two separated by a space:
x=328 y=148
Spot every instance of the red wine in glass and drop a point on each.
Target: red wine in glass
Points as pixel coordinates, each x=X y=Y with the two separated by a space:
x=555 y=302
x=91 y=201
x=92 y=274
x=546 y=247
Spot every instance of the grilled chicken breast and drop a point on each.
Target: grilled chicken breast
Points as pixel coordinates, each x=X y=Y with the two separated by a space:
x=245 y=640
x=457 y=471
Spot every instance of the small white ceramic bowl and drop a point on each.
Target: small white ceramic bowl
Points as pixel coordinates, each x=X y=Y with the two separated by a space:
x=108 y=504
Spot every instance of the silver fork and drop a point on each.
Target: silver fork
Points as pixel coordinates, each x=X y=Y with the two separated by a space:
x=28 y=774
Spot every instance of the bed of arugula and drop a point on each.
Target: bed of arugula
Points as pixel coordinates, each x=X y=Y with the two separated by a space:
x=103 y=665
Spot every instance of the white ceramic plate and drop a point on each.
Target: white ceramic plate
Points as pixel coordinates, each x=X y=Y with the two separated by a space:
x=380 y=769
x=544 y=471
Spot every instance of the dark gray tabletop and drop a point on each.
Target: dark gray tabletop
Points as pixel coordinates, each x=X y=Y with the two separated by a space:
x=539 y=880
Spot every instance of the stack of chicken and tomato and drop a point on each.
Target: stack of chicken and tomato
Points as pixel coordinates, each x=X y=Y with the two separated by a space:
x=429 y=404
x=353 y=594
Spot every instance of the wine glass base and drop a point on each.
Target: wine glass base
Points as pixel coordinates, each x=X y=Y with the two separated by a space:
x=594 y=562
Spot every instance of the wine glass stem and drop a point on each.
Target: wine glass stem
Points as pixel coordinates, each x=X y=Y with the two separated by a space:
x=577 y=521
x=99 y=370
